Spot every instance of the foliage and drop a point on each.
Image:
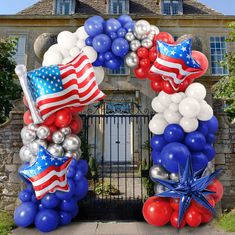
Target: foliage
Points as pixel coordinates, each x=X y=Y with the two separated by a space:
x=225 y=88
x=227 y=221
x=6 y=223
x=9 y=89
x=106 y=189
x=93 y=168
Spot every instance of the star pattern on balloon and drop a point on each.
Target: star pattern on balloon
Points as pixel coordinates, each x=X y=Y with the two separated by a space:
x=191 y=185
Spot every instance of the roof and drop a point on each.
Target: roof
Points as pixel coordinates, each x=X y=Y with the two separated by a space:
x=91 y=7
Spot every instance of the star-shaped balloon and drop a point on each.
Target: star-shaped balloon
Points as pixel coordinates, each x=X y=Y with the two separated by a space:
x=48 y=173
x=191 y=185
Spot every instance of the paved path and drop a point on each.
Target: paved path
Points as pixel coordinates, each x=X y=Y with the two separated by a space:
x=123 y=228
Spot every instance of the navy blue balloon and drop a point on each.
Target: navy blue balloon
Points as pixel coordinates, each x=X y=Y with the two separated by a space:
x=25 y=196
x=158 y=142
x=120 y=47
x=123 y=19
x=173 y=155
x=210 y=138
x=34 y=199
x=98 y=63
x=50 y=201
x=93 y=27
x=71 y=172
x=112 y=25
x=41 y=207
x=209 y=151
x=47 y=220
x=81 y=188
x=113 y=35
x=65 y=218
x=82 y=166
x=101 y=43
x=25 y=213
x=203 y=128
x=174 y=133
x=101 y=57
x=75 y=211
x=156 y=156
x=114 y=63
x=73 y=162
x=66 y=195
x=195 y=141
x=121 y=32
x=89 y=41
x=78 y=176
x=213 y=125
x=68 y=205
x=109 y=55
x=199 y=161
x=129 y=26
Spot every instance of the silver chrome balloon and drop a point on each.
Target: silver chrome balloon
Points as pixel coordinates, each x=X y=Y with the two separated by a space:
x=43 y=132
x=25 y=154
x=132 y=60
x=32 y=127
x=27 y=135
x=174 y=177
x=74 y=154
x=71 y=143
x=129 y=36
x=157 y=171
x=141 y=29
x=154 y=30
x=56 y=150
x=158 y=188
x=135 y=45
x=147 y=43
x=34 y=146
x=66 y=130
x=58 y=137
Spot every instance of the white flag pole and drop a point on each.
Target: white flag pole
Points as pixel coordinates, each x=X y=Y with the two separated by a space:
x=21 y=72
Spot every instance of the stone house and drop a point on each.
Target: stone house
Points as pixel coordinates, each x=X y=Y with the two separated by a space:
x=178 y=17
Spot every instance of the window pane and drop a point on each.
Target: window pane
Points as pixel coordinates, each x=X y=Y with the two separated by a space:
x=167 y=7
x=121 y=71
x=175 y=7
x=118 y=6
x=67 y=8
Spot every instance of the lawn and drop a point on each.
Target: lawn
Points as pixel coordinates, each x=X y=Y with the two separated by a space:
x=227 y=221
x=6 y=223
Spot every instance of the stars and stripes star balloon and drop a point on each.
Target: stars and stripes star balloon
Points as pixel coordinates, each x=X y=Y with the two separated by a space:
x=48 y=173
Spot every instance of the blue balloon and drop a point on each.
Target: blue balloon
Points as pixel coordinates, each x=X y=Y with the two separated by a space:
x=47 y=220
x=66 y=195
x=173 y=155
x=156 y=156
x=68 y=205
x=101 y=57
x=113 y=35
x=50 y=201
x=129 y=26
x=65 y=218
x=41 y=207
x=109 y=55
x=24 y=214
x=113 y=63
x=213 y=125
x=101 y=43
x=93 y=27
x=81 y=188
x=209 y=151
x=203 y=128
x=82 y=166
x=71 y=172
x=75 y=210
x=174 y=133
x=34 y=199
x=97 y=19
x=158 y=142
x=78 y=176
x=120 y=47
x=210 y=138
x=112 y=25
x=195 y=141
x=199 y=161
x=89 y=41
x=97 y=63
x=121 y=32
x=25 y=196
x=73 y=162
x=123 y=19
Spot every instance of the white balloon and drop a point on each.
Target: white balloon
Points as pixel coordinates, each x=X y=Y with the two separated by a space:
x=74 y=51
x=67 y=39
x=80 y=44
x=52 y=57
x=157 y=125
x=64 y=52
x=99 y=74
x=172 y=117
x=189 y=124
x=164 y=99
x=157 y=106
x=158 y=115
x=206 y=112
x=189 y=107
x=54 y=47
x=90 y=53
x=182 y=94
x=67 y=60
x=174 y=107
x=81 y=33
x=176 y=98
x=196 y=91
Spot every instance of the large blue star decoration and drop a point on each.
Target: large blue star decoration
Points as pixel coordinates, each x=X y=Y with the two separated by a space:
x=48 y=173
x=191 y=185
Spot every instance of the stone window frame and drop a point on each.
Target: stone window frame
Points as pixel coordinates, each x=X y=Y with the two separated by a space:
x=71 y=10
x=180 y=7
x=111 y=13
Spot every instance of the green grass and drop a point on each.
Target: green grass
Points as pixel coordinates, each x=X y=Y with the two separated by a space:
x=6 y=223
x=227 y=221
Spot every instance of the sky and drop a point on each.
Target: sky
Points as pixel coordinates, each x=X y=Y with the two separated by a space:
x=8 y=7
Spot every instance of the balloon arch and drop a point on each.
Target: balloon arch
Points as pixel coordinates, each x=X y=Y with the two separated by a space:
x=184 y=126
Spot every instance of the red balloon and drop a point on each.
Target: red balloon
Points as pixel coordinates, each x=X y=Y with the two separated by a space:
x=193 y=218
x=175 y=203
x=157 y=212
x=145 y=63
x=76 y=125
x=140 y=73
x=174 y=220
x=27 y=118
x=218 y=188
x=200 y=208
x=25 y=101
x=206 y=217
x=77 y=109
x=183 y=86
x=143 y=52
x=165 y=37
x=166 y=87
x=52 y=129
x=63 y=118
x=50 y=120
x=153 y=76
x=156 y=86
x=153 y=54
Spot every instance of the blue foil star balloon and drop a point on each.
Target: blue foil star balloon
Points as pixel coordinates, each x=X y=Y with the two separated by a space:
x=191 y=185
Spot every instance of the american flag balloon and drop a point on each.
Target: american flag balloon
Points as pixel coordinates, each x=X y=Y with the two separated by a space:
x=48 y=173
x=58 y=86
x=175 y=62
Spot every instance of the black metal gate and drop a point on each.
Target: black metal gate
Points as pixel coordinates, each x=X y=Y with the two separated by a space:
x=116 y=144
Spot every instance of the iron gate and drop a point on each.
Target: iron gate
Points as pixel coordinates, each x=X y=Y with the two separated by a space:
x=116 y=143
